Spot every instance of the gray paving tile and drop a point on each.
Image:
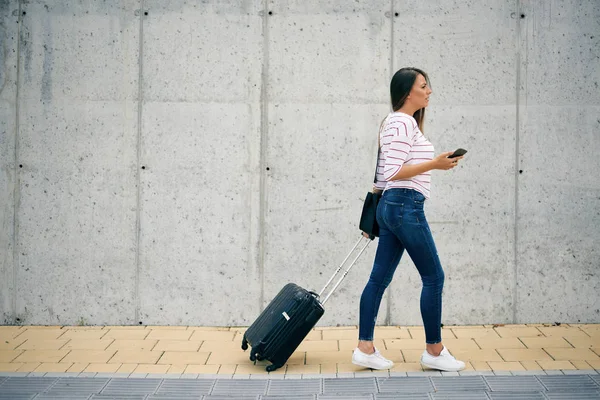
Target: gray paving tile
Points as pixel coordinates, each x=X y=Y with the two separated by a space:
x=349 y=386
x=405 y=385
x=591 y=395
x=579 y=371
x=118 y=397
x=459 y=396
x=289 y=397
x=17 y=396
x=574 y=383
x=27 y=385
x=596 y=378
x=516 y=396
x=49 y=396
x=424 y=373
x=2 y=379
x=14 y=374
x=239 y=387
x=66 y=386
x=345 y=396
x=295 y=387
x=188 y=387
x=402 y=396
x=460 y=383
x=232 y=397
x=171 y=397
x=293 y=376
x=514 y=383
x=131 y=386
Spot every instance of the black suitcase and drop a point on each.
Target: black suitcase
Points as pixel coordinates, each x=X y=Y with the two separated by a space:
x=288 y=318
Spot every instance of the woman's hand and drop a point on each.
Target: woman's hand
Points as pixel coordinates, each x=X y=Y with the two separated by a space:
x=444 y=163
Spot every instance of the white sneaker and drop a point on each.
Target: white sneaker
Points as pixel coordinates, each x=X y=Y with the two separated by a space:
x=444 y=362
x=373 y=361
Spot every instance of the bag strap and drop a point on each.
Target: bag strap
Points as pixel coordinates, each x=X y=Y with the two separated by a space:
x=378 y=148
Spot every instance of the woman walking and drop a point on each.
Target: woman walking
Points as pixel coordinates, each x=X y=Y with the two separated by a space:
x=406 y=159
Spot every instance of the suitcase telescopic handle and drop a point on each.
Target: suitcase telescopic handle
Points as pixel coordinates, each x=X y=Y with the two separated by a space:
x=337 y=271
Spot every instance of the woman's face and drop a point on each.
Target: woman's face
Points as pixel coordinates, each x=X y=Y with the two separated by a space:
x=419 y=94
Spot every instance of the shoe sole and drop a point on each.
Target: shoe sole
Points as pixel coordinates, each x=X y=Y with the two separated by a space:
x=441 y=369
x=368 y=366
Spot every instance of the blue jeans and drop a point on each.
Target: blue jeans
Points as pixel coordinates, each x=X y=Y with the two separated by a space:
x=402 y=226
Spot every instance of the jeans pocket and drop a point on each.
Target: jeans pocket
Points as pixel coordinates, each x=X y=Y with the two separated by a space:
x=392 y=214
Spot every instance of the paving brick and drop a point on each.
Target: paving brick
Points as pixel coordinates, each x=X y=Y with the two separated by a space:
x=28 y=366
x=583 y=342
x=132 y=344
x=480 y=366
x=555 y=365
x=125 y=327
x=506 y=366
x=406 y=367
x=183 y=357
x=39 y=333
x=545 y=342
x=303 y=369
x=458 y=344
x=217 y=345
x=127 y=368
x=151 y=369
x=476 y=333
x=319 y=345
x=321 y=357
x=520 y=332
x=314 y=335
x=87 y=344
x=7 y=356
x=328 y=368
x=129 y=334
x=229 y=357
x=244 y=369
x=102 y=368
x=41 y=356
x=404 y=344
x=531 y=366
x=177 y=345
x=223 y=336
x=562 y=331
x=90 y=356
x=477 y=355
x=592 y=330
x=417 y=333
x=87 y=334
x=136 y=357
x=170 y=328
x=499 y=343
x=77 y=367
x=171 y=334
x=350 y=344
x=53 y=367
x=523 y=354
x=43 y=344
x=226 y=369
x=582 y=365
x=9 y=367
x=10 y=344
x=349 y=367
x=594 y=364
x=391 y=333
x=201 y=369
x=349 y=334
x=10 y=332
x=572 y=354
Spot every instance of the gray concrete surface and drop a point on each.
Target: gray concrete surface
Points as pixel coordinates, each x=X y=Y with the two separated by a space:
x=177 y=162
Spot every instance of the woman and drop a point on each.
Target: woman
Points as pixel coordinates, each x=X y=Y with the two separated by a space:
x=404 y=174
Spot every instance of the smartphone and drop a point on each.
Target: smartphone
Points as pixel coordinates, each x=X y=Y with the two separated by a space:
x=458 y=153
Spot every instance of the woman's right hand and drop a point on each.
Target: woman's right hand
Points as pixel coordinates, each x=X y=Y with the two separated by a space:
x=444 y=163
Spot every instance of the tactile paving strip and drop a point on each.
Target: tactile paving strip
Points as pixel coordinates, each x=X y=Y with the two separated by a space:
x=296 y=387
x=571 y=383
x=239 y=387
x=185 y=387
x=402 y=396
x=77 y=386
x=399 y=384
x=456 y=395
x=460 y=383
x=346 y=396
x=118 y=397
x=514 y=383
x=26 y=385
x=289 y=397
x=49 y=396
x=591 y=395
x=131 y=386
x=17 y=396
x=516 y=396
x=350 y=386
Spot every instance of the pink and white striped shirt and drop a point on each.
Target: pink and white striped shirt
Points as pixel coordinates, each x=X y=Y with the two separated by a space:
x=403 y=143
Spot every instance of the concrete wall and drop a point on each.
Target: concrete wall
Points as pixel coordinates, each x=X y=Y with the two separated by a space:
x=176 y=162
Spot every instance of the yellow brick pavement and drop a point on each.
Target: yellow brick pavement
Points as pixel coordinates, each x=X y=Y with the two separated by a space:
x=326 y=350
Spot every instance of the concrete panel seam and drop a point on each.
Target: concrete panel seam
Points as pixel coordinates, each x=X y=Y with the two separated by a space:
x=264 y=130
x=137 y=173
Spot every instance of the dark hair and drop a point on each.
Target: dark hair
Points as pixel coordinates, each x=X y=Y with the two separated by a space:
x=400 y=87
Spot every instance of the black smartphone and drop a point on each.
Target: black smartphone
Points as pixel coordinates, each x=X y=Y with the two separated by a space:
x=458 y=153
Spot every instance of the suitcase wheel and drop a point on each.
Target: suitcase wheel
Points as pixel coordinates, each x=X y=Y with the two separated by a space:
x=244 y=345
x=252 y=357
x=272 y=367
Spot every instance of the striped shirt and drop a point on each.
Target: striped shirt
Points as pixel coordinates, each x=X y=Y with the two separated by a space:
x=402 y=143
